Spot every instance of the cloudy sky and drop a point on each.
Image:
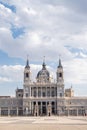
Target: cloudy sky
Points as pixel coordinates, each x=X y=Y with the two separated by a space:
x=43 y=28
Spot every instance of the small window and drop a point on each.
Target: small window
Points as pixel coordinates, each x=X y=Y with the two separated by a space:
x=53 y=94
x=26 y=94
x=60 y=74
x=43 y=94
x=35 y=94
x=27 y=75
x=60 y=94
x=48 y=93
x=39 y=93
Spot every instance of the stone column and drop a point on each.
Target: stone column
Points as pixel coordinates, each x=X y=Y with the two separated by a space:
x=41 y=91
x=56 y=92
x=50 y=91
x=77 y=112
x=37 y=91
x=41 y=108
x=8 y=111
x=30 y=107
x=30 y=91
x=68 y=111
x=46 y=108
x=36 y=109
x=17 y=111
x=0 y=111
x=23 y=110
x=26 y=111
x=49 y=112
x=46 y=91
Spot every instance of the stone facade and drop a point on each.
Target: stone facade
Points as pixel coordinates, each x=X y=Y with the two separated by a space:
x=43 y=97
x=69 y=92
x=11 y=106
x=40 y=97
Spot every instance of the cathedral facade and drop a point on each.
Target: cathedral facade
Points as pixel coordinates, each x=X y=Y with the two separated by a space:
x=43 y=97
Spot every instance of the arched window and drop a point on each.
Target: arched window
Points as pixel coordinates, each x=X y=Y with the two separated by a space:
x=60 y=74
x=27 y=75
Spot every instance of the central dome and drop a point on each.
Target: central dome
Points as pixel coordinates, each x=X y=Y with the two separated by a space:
x=43 y=75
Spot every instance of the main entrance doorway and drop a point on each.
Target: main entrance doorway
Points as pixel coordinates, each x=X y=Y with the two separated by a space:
x=44 y=108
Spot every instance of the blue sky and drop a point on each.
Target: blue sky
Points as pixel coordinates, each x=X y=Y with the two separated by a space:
x=43 y=28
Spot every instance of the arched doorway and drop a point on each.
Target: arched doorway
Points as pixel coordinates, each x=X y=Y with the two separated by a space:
x=44 y=108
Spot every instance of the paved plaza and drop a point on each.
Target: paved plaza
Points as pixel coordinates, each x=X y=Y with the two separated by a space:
x=43 y=123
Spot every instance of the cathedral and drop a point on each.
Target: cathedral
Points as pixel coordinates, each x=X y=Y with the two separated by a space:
x=43 y=97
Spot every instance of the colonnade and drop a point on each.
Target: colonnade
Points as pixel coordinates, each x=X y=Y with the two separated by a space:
x=75 y=112
x=11 y=111
x=41 y=108
x=43 y=91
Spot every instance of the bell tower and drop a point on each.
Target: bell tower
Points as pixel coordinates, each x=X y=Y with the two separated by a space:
x=27 y=75
x=60 y=80
x=60 y=72
x=27 y=89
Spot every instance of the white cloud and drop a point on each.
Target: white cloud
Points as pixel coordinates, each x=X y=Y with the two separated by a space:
x=76 y=71
x=49 y=26
x=12 y=73
x=5 y=79
x=44 y=33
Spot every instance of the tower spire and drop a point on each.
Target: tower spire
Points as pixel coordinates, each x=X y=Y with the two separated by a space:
x=60 y=65
x=27 y=62
x=44 y=65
